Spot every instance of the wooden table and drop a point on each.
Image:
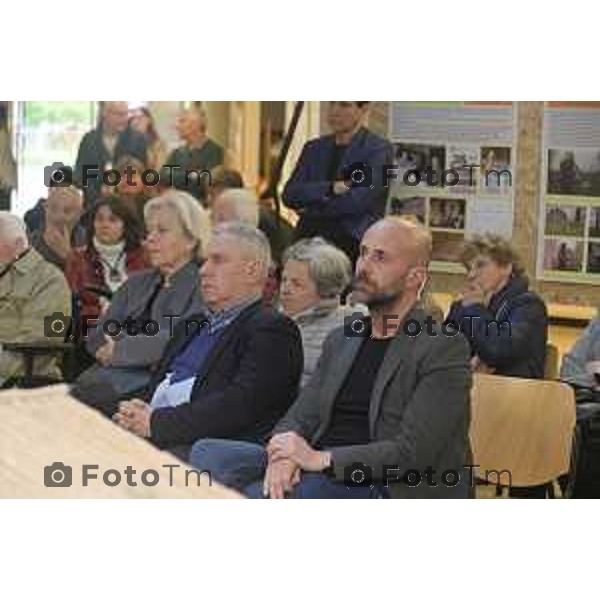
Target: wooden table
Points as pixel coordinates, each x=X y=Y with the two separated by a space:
x=43 y=426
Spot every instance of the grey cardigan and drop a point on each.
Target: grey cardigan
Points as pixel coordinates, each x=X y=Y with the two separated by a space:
x=178 y=301
x=419 y=411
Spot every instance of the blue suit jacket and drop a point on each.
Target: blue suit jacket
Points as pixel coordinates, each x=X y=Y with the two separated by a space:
x=309 y=191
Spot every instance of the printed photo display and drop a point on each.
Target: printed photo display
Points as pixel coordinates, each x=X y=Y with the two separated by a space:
x=450 y=175
x=570 y=208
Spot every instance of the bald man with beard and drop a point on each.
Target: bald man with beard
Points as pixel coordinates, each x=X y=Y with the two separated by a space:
x=386 y=412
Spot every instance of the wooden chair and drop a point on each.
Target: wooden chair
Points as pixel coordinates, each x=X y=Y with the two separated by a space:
x=523 y=426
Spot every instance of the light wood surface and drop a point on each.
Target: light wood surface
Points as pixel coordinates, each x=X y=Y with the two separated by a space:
x=43 y=426
x=522 y=425
x=571 y=311
x=563 y=337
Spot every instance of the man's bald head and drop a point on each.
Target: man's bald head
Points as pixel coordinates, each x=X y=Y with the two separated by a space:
x=13 y=237
x=392 y=266
x=407 y=237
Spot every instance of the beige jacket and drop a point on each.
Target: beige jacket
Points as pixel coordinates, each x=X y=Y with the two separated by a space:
x=31 y=290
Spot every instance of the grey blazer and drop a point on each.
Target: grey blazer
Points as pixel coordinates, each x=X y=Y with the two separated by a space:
x=419 y=413
x=182 y=299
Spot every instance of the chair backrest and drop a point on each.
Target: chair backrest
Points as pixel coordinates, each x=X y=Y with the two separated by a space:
x=551 y=365
x=524 y=426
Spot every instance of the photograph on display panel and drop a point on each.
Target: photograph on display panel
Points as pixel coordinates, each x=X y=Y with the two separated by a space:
x=416 y=207
x=565 y=220
x=574 y=172
x=563 y=254
x=447 y=213
x=495 y=174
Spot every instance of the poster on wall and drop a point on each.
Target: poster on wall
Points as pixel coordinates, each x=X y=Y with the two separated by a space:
x=569 y=249
x=454 y=171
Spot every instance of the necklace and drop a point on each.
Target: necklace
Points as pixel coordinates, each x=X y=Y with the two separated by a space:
x=113 y=272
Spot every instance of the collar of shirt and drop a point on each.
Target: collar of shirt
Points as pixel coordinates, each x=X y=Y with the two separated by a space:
x=25 y=261
x=220 y=319
x=197 y=145
x=321 y=309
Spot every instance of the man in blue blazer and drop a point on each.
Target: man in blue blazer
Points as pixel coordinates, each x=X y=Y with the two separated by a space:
x=337 y=186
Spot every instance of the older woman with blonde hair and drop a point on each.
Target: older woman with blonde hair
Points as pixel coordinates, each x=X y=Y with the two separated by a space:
x=130 y=337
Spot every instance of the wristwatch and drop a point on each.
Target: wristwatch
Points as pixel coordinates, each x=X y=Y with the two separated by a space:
x=329 y=470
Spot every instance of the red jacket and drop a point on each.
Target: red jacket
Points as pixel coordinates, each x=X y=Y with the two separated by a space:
x=84 y=269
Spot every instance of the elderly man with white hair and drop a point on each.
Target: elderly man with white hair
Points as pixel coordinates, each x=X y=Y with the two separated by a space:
x=230 y=371
x=236 y=204
x=197 y=154
x=60 y=231
x=32 y=291
x=240 y=205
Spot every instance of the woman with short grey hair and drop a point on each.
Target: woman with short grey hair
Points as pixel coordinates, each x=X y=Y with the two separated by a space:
x=315 y=274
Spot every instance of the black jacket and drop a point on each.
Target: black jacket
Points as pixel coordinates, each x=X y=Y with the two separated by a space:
x=309 y=188
x=245 y=385
x=518 y=351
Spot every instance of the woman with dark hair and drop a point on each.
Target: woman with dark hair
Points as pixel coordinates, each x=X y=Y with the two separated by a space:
x=113 y=252
x=141 y=120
